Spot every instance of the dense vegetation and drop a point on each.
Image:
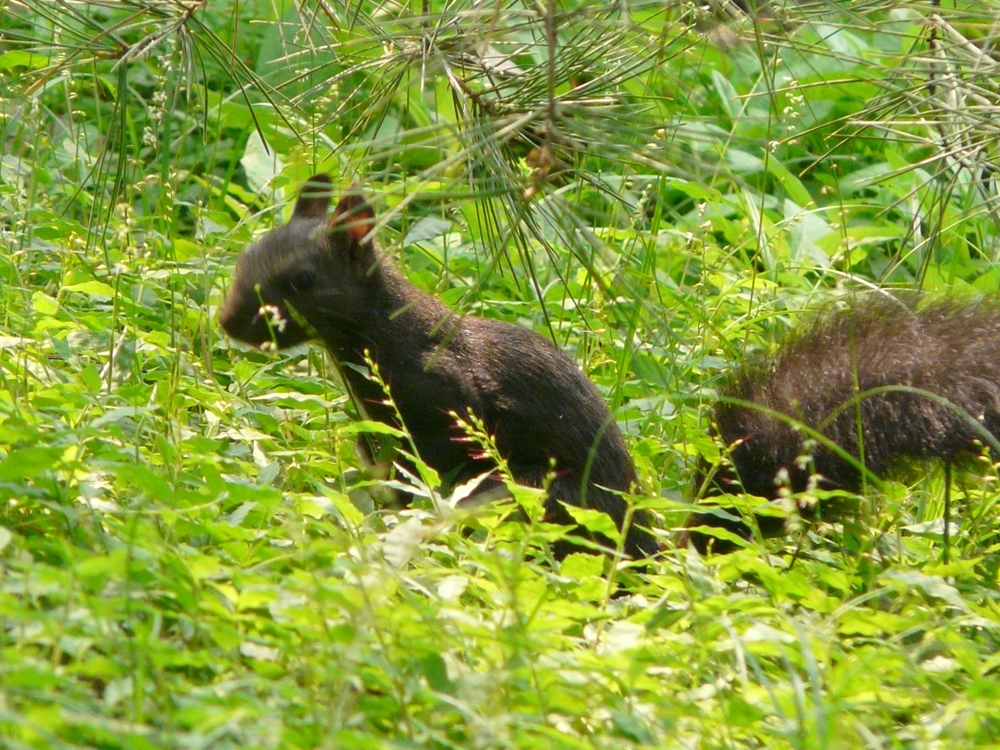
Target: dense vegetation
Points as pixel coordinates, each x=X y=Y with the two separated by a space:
x=189 y=554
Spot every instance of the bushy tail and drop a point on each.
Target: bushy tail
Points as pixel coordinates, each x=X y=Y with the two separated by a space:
x=885 y=378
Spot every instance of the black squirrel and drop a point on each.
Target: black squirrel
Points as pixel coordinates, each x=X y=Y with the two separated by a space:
x=887 y=378
x=322 y=276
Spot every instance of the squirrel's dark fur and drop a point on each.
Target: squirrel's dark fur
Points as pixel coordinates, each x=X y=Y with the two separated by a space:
x=871 y=363
x=321 y=276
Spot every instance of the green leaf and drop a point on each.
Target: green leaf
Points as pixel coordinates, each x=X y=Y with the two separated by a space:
x=260 y=162
x=93 y=288
x=29 y=462
x=20 y=59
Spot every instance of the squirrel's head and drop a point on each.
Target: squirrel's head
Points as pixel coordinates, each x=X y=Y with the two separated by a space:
x=314 y=268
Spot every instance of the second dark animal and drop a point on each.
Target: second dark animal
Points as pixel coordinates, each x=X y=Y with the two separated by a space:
x=322 y=276
x=889 y=379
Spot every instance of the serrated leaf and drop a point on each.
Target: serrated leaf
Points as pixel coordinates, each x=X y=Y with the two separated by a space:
x=594 y=521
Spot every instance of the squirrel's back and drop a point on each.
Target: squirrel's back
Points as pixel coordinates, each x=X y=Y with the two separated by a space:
x=887 y=378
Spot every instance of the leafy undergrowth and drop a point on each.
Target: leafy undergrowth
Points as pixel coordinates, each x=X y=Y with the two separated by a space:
x=191 y=555
x=183 y=567
x=192 y=559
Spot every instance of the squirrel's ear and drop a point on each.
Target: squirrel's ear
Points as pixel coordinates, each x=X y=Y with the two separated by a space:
x=314 y=198
x=354 y=216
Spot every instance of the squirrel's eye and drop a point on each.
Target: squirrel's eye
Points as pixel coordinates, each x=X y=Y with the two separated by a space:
x=300 y=281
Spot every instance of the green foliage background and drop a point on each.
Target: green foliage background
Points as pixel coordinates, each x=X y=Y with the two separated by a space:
x=189 y=555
